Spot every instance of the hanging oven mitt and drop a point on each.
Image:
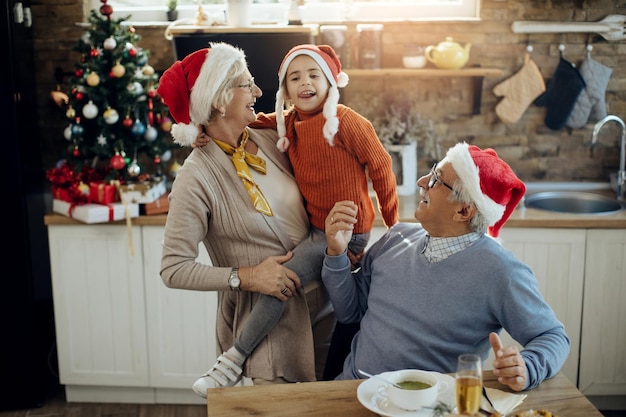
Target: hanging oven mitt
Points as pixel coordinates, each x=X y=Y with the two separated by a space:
x=519 y=91
x=591 y=105
x=561 y=94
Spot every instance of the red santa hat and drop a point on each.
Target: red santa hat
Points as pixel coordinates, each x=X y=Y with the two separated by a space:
x=189 y=87
x=491 y=183
x=328 y=61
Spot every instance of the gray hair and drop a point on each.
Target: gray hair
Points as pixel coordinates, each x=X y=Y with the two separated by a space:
x=478 y=223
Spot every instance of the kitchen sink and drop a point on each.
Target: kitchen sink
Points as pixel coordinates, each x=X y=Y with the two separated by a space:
x=577 y=202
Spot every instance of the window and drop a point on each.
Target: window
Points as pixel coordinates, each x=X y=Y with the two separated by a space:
x=313 y=11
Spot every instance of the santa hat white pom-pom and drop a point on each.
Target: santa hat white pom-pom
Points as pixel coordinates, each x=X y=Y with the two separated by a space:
x=184 y=135
x=282 y=144
x=342 y=79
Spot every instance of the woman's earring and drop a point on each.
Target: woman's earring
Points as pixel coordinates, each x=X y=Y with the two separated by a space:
x=223 y=114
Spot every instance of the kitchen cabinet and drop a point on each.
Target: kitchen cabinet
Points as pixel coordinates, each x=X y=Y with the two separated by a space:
x=99 y=308
x=603 y=342
x=557 y=257
x=122 y=336
x=264 y=46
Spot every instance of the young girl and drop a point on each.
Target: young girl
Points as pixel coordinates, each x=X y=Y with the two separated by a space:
x=332 y=150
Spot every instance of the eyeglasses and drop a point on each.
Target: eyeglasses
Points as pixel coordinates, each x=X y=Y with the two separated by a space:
x=251 y=85
x=434 y=178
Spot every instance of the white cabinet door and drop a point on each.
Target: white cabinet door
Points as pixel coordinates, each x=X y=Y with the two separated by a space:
x=557 y=257
x=181 y=323
x=99 y=305
x=603 y=346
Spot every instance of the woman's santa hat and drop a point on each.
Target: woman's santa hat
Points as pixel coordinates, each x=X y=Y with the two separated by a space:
x=189 y=87
x=328 y=61
x=491 y=183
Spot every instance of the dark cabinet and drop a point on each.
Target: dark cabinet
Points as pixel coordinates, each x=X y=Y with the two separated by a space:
x=264 y=48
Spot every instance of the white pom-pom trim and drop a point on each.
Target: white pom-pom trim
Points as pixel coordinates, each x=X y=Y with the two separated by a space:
x=282 y=144
x=342 y=79
x=185 y=135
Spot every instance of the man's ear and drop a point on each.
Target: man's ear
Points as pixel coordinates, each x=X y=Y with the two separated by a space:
x=465 y=212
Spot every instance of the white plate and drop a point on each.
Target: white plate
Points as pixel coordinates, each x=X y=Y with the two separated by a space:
x=368 y=396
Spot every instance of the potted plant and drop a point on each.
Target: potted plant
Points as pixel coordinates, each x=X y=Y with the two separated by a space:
x=172 y=13
x=400 y=128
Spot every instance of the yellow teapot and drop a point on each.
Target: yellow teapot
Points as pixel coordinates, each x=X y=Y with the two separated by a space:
x=448 y=54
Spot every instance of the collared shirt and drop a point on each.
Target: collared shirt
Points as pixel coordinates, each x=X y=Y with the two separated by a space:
x=439 y=248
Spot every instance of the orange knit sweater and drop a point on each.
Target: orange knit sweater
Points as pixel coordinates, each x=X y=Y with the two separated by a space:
x=328 y=174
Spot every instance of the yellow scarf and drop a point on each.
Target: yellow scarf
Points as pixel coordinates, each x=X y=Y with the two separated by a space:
x=241 y=160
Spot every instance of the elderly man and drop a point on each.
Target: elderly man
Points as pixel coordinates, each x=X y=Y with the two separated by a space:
x=430 y=291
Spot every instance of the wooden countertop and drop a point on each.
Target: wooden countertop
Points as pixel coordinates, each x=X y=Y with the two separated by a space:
x=522 y=217
x=339 y=398
x=527 y=217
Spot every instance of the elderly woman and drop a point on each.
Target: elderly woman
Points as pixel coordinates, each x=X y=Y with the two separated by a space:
x=237 y=196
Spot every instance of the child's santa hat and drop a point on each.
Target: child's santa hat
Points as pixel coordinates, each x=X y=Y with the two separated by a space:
x=328 y=61
x=491 y=183
x=189 y=87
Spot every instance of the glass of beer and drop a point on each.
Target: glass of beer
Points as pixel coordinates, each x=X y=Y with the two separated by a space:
x=469 y=383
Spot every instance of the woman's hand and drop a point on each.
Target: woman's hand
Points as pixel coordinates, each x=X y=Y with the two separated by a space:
x=339 y=225
x=271 y=278
x=509 y=365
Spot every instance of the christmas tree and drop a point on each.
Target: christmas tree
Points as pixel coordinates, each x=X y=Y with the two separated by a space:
x=119 y=127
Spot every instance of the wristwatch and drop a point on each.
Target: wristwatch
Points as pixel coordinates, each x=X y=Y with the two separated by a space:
x=234 y=280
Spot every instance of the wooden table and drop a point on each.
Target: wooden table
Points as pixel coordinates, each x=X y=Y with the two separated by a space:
x=338 y=398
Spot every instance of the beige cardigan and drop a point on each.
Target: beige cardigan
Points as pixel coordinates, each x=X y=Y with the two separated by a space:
x=209 y=204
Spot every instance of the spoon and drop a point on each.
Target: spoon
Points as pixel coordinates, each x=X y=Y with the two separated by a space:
x=380 y=378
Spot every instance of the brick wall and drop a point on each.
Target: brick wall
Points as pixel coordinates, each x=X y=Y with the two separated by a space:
x=535 y=152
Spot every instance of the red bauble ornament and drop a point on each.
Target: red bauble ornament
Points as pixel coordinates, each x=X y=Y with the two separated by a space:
x=157 y=160
x=127 y=122
x=117 y=162
x=152 y=93
x=79 y=96
x=132 y=52
x=79 y=73
x=94 y=53
x=76 y=152
x=106 y=10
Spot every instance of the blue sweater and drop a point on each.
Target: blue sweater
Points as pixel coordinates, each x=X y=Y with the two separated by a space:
x=416 y=314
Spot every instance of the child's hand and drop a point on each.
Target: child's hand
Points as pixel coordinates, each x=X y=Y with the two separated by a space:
x=201 y=140
x=339 y=224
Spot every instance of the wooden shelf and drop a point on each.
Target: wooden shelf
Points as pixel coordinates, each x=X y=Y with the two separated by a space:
x=476 y=73
x=425 y=72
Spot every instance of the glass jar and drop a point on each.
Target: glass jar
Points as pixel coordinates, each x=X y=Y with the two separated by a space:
x=370 y=45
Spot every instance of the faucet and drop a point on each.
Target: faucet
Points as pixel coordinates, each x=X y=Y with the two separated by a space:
x=621 y=174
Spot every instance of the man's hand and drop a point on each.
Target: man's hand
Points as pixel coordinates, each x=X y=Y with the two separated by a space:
x=339 y=225
x=509 y=366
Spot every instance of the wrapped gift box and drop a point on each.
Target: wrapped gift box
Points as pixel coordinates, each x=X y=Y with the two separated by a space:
x=160 y=206
x=94 y=213
x=102 y=193
x=60 y=193
x=143 y=192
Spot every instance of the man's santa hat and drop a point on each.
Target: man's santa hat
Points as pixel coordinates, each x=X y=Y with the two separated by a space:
x=189 y=87
x=491 y=183
x=328 y=61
